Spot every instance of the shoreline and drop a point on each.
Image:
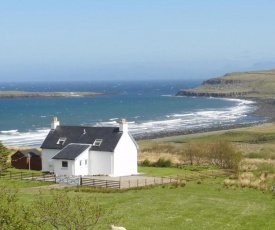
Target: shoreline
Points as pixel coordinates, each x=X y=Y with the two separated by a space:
x=166 y=134
x=265 y=109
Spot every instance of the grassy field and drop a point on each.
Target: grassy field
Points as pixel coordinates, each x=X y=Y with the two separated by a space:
x=258 y=141
x=200 y=204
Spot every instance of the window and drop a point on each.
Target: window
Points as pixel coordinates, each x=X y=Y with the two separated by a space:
x=97 y=142
x=86 y=162
x=80 y=162
x=61 y=140
x=64 y=164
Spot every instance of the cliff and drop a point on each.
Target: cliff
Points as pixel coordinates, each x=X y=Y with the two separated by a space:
x=253 y=84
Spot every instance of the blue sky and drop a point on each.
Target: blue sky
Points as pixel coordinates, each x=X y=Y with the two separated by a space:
x=127 y=39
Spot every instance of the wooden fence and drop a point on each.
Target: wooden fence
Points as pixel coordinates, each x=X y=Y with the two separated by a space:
x=99 y=183
x=27 y=176
x=122 y=182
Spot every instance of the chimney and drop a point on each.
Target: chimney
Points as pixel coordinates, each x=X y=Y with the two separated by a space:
x=123 y=126
x=54 y=123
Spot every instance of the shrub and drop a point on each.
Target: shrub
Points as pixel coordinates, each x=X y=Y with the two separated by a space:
x=146 y=162
x=163 y=163
x=223 y=154
x=4 y=152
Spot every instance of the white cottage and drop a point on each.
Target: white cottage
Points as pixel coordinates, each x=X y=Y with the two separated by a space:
x=86 y=150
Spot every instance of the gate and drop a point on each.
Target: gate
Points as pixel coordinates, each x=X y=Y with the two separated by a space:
x=71 y=180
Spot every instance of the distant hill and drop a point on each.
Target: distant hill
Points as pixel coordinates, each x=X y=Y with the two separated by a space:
x=253 y=84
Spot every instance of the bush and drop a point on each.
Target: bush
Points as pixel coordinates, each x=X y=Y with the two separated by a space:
x=220 y=153
x=146 y=163
x=4 y=152
x=223 y=155
x=163 y=163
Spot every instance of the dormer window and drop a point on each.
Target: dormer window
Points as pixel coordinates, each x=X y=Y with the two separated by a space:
x=97 y=142
x=61 y=140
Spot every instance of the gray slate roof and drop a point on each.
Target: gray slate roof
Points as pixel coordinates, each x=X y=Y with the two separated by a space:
x=83 y=135
x=71 y=151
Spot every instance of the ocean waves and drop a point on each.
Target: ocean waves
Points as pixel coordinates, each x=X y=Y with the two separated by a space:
x=33 y=138
x=195 y=118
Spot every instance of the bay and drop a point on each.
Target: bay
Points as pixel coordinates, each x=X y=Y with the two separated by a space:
x=148 y=106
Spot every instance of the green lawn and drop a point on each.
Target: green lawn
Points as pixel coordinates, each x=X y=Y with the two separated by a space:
x=196 y=206
x=205 y=205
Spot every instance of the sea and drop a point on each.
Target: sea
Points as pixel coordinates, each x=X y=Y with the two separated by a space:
x=148 y=106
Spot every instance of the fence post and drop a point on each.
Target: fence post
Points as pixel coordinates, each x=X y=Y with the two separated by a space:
x=80 y=181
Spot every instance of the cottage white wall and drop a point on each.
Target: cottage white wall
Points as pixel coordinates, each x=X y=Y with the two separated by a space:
x=83 y=168
x=47 y=161
x=125 y=157
x=100 y=163
x=64 y=171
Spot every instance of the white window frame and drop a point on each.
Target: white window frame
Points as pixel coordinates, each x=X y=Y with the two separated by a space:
x=97 y=142
x=61 y=140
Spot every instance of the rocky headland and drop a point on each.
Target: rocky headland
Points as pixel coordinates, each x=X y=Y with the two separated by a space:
x=252 y=85
x=258 y=86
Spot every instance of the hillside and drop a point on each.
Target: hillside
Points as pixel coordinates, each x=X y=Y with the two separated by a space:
x=253 y=84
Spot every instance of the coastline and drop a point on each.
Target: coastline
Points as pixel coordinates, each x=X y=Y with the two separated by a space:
x=265 y=109
x=164 y=134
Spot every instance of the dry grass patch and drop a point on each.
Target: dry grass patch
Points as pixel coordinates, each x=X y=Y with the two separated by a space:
x=154 y=157
x=249 y=165
x=258 y=174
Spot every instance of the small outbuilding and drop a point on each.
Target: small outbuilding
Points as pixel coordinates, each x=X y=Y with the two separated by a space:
x=88 y=150
x=27 y=159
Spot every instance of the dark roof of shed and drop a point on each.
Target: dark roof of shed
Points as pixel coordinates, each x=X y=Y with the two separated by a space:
x=32 y=152
x=71 y=151
x=83 y=135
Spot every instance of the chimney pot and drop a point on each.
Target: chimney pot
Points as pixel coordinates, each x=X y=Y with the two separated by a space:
x=123 y=126
x=54 y=123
